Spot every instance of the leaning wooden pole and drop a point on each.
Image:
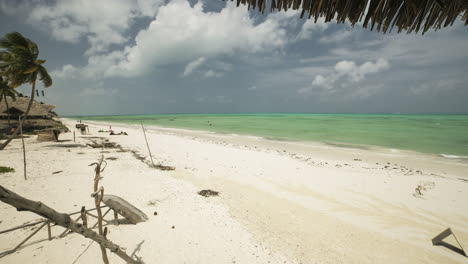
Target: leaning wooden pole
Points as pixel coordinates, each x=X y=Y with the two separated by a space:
x=147 y=145
x=97 y=202
x=64 y=220
x=24 y=148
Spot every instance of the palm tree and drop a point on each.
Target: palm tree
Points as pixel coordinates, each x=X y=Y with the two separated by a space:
x=19 y=64
x=5 y=91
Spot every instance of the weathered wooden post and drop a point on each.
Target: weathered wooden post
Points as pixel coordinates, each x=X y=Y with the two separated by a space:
x=116 y=217
x=49 y=231
x=84 y=219
x=97 y=202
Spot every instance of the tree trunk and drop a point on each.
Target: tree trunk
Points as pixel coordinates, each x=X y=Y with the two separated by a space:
x=7 y=107
x=24 y=151
x=33 y=89
x=64 y=220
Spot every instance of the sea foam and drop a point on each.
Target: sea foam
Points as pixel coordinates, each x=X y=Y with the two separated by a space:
x=453 y=156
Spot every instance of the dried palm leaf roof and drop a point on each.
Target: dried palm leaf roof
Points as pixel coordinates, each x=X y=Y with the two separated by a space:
x=380 y=15
x=21 y=104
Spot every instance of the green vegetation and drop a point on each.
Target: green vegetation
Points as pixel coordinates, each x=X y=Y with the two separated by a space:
x=6 y=169
x=7 y=91
x=20 y=64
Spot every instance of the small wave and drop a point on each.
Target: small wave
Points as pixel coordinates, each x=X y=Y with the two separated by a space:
x=453 y=156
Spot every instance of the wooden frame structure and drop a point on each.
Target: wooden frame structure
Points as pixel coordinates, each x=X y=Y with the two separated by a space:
x=45 y=222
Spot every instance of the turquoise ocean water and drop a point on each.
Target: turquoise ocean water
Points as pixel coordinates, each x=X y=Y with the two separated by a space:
x=436 y=134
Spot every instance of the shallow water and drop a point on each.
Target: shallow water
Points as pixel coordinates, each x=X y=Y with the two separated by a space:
x=437 y=134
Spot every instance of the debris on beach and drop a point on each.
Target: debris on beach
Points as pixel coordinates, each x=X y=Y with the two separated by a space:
x=122 y=150
x=124 y=208
x=208 y=193
x=163 y=167
x=111 y=158
x=156 y=166
x=4 y=169
x=56 y=172
x=103 y=144
x=423 y=187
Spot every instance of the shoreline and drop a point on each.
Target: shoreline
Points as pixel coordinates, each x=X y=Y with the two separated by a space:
x=340 y=145
x=280 y=202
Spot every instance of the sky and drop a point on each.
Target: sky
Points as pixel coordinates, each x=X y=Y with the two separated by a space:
x=158 y=57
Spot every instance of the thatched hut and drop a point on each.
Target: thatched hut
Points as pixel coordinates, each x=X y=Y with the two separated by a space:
x=19 y=106
x=40 y=115
x=380 y=15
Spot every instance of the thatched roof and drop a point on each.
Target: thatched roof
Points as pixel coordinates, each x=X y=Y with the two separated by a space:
x=21 y=104
x=380 y=15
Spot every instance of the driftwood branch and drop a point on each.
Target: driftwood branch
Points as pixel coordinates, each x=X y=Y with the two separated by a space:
x=64 y=220
x=97 y=202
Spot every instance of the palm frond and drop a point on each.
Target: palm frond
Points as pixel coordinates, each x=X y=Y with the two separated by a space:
x=19 y=61
x=32 y=69
x=44 y=76
x=5 y=44
x=16 y=39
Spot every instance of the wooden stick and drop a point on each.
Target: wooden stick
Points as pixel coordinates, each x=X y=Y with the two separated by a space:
x=102 y=217
x=21 y=226
x=84 y=219
x=149 y=150
x=97 y=202
x=24 y=148
x=24 y=241
x=49 y=231
x=97 y=217
x=74 y=136
x=23 y=204
x=116 y=217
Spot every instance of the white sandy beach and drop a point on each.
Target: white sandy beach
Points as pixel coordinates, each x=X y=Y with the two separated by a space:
x=279 y=202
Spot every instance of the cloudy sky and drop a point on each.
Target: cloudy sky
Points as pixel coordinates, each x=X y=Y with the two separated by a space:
x=155 y=57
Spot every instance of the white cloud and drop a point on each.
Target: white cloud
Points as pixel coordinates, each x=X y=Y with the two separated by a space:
x=211 y=74
x=181 y=33
x=357 y=73
x=345 y=73
x=102 y=23
x=410 y=49
x=67 y=71
x=310 y=27
x=193 y=65
x=336 y=37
